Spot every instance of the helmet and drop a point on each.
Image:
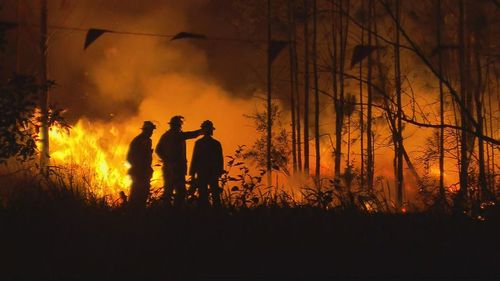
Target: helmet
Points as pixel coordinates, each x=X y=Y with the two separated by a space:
x=176 y=120
x=148 y=125
x=207 y=124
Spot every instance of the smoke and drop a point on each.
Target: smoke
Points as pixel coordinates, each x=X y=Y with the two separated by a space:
x=130 y=78
x=122 y=80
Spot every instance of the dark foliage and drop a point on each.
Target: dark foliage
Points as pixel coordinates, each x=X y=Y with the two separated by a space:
x=280 y=143
x=18 y=133
x=58 y=234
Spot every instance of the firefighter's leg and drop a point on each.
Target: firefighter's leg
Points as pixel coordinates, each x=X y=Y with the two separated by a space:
x=140 y=191
x=180 y=190
x=134 y=188
x=144 y=191
x=168 y=188
x=203 y=190
x=216 y=191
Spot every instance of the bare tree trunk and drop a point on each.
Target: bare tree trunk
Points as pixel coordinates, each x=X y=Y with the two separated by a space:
x=464 y=162
x=441 y=105
x=291 y=11
x=399 y=130
x=361 y=118
x=44 y=97
x=306 y=89
x=18 y=37
x=339 y=114
x=492 y=147
x=297 y=92
x=269 y=95
x=369 y=118
x=316 y=93
x=334 y=74
x=480 y=122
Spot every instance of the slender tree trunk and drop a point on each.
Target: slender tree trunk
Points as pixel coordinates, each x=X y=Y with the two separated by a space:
x=316 y=93
x=348 y=140
x=369 y=118
x=464 y=165
x=296 y=89
x=44 y=97
x=306 y=89
x=399 y=130
x=480 y=122
x=493 y=165
x=18 y=37
x=441 y=105
x=457 y=135
x=361 y=118
x=269 y=95
x=334 y=75
x=492 y=147
x=291 y=39
x=339 y=115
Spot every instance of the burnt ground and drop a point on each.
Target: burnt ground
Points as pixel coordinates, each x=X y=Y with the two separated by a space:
x=58 y=242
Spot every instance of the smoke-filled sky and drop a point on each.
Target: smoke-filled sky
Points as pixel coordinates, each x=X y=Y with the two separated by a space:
x=125 y=79
x=110 y=78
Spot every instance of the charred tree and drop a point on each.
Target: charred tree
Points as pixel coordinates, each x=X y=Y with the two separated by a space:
x=44 y=96
x=399 y=128
x=464 y=161
x=293 y=82
x=478 y=99
x=316 y=93
x=306 y=88
x=361 y=117
x=369 y=115
x=269 y=95
x=339 y=113
x=334 y=69
x=441 y=103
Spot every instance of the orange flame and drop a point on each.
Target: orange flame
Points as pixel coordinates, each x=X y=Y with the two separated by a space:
x=94 y=153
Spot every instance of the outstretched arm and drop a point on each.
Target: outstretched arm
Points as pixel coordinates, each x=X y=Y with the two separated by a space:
x=191 y=134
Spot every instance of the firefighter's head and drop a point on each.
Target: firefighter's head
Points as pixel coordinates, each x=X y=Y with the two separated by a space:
x=148 y=127
x=176 y=122
x=208 y=127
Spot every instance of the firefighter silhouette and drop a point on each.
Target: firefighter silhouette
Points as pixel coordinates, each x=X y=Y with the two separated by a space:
x=207 y=165
x=139 y=157
x=172 y=151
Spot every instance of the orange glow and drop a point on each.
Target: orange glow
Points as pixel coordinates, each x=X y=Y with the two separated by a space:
x=94 y=154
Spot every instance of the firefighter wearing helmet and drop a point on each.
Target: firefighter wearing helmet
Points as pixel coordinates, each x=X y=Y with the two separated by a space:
x=207 y=165
x=172 y=151
x=139 y=157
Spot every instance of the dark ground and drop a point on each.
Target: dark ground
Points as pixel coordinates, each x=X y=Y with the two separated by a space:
x=56 y=242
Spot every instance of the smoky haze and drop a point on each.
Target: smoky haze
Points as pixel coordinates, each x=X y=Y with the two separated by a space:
x=109 y=79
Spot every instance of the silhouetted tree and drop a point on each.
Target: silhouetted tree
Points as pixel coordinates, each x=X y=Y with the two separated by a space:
x=280 y=142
